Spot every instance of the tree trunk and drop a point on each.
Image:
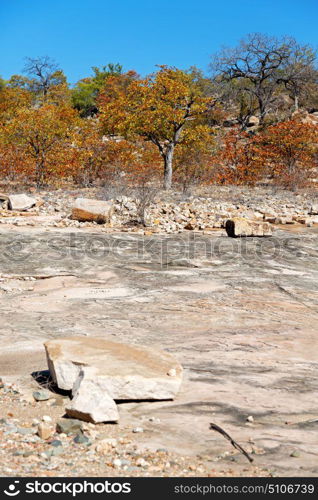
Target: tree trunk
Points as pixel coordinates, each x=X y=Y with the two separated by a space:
x=296 y=102
x=168 y=157
x=39 y=173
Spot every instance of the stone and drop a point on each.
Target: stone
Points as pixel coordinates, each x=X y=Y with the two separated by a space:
x=41 y=395
x=81 y=439
x=68 y=426
x=253 y=121
x=56 y=442
x=295 y=454
x=20 y=202
x=105 y=445
x=239 y=227
x=45 y=431
x=313 y=209
x=91 y=402
x=47 y=418
x=87 y=210
x=122 y=371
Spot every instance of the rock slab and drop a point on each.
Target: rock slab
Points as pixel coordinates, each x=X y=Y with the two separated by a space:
x=99 y=371
x=87 y=210
x=21 y=202
x=239 y=227
x=91 y=401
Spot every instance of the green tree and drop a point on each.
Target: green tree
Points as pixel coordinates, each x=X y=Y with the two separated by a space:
x=86 y=91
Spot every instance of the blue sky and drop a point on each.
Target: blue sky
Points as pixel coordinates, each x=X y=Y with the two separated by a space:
x=139 y=34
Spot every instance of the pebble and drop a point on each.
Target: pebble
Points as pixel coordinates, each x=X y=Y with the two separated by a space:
x=56 y=442
x=82 y=439
x=41 y=395
x=45 y=431
x=295 y=454
x=117 y=462
x=69 y=426
x=137 y=430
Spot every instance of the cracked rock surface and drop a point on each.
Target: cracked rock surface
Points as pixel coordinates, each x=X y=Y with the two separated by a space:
x=239 y=315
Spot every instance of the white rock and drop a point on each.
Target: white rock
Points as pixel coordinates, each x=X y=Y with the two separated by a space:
x=90 y=400
x=21 y=202
x=314 y=209
x=123 y=371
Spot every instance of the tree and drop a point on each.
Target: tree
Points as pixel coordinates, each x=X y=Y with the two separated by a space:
x=289 y=152
x=43 y=136
x=86 y=91
x=159 y=108
x=11 y=100
x=235 y=159
x=299 y=73
x=44 y=74
x=261 y=64
x=194 y=157
x=96 y=158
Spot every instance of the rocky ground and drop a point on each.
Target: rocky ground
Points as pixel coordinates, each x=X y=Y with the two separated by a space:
x=206 y=209
x=239 y=314
x=36 y=441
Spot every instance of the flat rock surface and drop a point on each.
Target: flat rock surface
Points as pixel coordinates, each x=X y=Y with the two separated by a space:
x=239 y=315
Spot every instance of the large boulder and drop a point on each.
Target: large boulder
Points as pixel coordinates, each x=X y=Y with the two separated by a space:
x=20 y=202
x=239 y=227
x=86 y=210
x=99 y=371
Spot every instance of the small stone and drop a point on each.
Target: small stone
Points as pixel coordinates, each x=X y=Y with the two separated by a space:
x=45 y=431
x=56 y=442
x=250 y=418
x=41 y=395
x=26 y=430
x=69 y=426
x=105 y=445
x=137 y=430
x=81 y=439
x=295 y=454
x=141 y=462
x=46 y=418
x=117 y=462
x=57 y=450
x=172 y=372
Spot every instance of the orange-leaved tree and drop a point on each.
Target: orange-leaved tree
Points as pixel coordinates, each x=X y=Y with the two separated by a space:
x=97 y=158
x=43 y=136
x=235 y=159
x=289 y=152
x=158 y=108
x=194 y=157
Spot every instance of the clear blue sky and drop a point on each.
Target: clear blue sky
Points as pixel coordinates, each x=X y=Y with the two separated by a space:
x=139 y=34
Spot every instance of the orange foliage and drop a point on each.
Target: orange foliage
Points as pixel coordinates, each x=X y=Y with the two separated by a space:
x=289 y=151
x=235 y=160
x=42 y=137
x=159 y=109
